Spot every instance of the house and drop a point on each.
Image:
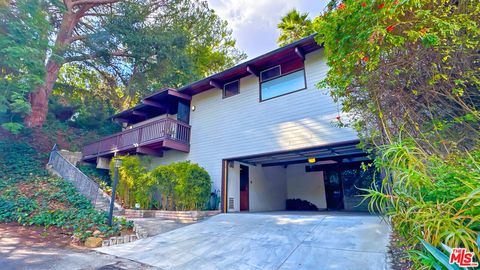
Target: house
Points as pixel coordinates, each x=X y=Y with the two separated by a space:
x=262 y=129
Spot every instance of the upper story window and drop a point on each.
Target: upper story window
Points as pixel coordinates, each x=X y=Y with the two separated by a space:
x=231 y=89
x=270 y=73
x=281 y=84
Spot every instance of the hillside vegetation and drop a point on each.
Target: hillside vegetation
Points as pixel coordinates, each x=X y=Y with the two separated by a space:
x=29 y=196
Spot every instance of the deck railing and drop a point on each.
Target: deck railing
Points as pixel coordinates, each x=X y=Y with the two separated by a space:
x=142 y=135
x=72 y=174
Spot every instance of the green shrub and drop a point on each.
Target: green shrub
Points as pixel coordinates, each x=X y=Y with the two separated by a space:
x=193 y=186
x=132 y=176
x=164 y=191
x=177 y=186
x=181 y=186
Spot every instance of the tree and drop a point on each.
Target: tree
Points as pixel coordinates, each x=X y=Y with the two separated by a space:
x=294 y=26
x=406 y=69
x=182 y=41
x=211 y=45
x=134 y=42
x=23 y=48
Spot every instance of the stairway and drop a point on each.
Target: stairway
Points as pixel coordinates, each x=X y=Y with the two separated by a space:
x=62 y=163
x=103 y=203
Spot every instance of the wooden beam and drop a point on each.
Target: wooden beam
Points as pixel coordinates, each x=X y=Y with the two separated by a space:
x=298 y=161
x=154 y=104
x=223 y=197
x=252 y=70
x=139 y=113
x=175 y=93
x=167 y=143
x=216 y=84
x=119 y=119
x=300 y=53
x=148 y=151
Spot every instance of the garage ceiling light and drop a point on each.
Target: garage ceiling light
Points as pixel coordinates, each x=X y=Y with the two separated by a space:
x=311 y=160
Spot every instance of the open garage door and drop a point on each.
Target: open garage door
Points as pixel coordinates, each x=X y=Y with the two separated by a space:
x=318 y=178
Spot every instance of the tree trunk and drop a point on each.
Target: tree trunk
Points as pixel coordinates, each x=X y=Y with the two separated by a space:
x=39 y=98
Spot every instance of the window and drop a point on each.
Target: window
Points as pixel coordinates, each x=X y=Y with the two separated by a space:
x=183 y=112
x=282 y=85
x=270 y=73
x=231 y=89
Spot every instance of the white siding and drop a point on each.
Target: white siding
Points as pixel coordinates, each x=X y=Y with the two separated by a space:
x=241 y=125
x=233 y=187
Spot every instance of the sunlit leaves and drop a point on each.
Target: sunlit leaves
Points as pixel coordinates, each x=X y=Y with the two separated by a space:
x=23 y=48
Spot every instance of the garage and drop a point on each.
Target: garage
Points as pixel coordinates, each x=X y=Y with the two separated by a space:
x=315 y=179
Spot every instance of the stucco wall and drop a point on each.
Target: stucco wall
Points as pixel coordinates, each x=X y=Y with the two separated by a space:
x=306 y=186
x=271 y=186
x=241 y=125
x=268 y=188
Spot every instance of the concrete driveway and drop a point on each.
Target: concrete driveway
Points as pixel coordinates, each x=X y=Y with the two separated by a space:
x=276 y=240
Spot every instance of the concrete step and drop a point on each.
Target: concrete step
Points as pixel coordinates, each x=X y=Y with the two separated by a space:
x=103 y=203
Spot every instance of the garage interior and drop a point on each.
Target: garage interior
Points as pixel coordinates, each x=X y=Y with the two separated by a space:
x=318 y=178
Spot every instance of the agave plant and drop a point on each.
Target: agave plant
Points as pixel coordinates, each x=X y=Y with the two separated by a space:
x=436 y=258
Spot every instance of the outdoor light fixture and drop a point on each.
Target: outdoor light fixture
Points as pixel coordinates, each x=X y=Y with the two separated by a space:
x=311 y=160
x=193 y=108
x=118 y=163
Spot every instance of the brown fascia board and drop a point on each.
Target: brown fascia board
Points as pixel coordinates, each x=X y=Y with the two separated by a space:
x=243 y=69
x=247 y=66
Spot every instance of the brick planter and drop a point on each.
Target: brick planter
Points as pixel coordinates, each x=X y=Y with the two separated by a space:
x=182 y=216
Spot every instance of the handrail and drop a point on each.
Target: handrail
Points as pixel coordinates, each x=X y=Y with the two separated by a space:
x=165 y=128
x=72 y=174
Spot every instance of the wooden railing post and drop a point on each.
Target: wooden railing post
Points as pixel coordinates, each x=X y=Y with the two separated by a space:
x=139 y=137
x=167 y=129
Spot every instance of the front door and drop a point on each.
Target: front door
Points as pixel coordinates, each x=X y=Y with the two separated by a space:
x=244 y=179
x=333 y=190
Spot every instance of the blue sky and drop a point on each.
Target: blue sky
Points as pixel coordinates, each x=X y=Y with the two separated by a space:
x=254 y=22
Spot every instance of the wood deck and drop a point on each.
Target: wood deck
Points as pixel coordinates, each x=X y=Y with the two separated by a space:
x=151 y=138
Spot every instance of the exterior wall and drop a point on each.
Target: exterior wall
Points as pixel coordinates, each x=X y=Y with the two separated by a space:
x=268 y=188
x=233 y=187
x=306 y=186
x=241 y=125
x=103 y=163
x=163 y=116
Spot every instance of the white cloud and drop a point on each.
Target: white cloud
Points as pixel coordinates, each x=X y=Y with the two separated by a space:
x=254 y=22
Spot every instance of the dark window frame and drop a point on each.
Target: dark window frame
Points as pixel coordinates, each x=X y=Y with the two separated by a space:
x=265 y=70
x=281 y=75
x=223 y=90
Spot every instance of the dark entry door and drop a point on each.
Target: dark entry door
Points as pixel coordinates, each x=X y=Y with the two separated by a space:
x=244 y=179
x=333 y=190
